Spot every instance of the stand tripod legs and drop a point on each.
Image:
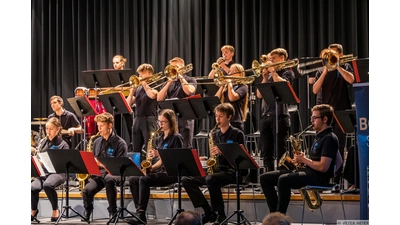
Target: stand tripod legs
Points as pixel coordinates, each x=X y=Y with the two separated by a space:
x=241 y=218
x=65 y=209
x=120 y=214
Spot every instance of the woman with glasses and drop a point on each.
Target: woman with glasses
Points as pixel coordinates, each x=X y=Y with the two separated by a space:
x=140 y=186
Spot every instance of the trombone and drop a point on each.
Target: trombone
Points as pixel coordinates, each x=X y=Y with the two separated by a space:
x=256 y=67
x=135 y=82
x=329 y=59
x=171 y=73
x=223 y=80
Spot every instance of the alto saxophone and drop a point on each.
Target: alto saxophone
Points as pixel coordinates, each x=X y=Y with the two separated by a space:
x=286 y=160
x=212 y=161
x=82 y=177
x=148 y=162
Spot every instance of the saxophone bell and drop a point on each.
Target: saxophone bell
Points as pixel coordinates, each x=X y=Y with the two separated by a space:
x=150 y=159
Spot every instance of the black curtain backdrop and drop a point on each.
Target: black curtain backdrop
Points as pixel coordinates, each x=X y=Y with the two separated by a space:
x=75 y=35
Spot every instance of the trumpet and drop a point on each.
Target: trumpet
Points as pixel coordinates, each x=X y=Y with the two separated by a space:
x=329 y=59
x=256 y=67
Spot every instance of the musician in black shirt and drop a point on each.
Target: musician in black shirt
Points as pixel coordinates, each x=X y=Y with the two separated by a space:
x=107 y=144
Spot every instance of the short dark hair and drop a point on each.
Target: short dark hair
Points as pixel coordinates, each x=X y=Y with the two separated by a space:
x=324 y=110
x=188 y=218
x=225 y=108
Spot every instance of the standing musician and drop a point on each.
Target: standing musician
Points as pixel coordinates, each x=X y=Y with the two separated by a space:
x=145 y=99
x=224 y=173
x=109 y=144
x=53 y=140
x=237 y=95
x=183 y=86
x=267 y=121
x=68 y=120
x=224 y=62
x=319 y=168
x=334 y=88
x=140 y=185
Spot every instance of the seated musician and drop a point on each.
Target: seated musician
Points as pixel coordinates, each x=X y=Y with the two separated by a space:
x=53 y=140
x=108 y=144
x=319 y=167
x=219 y=175
x=69 y=121
x=156 y=175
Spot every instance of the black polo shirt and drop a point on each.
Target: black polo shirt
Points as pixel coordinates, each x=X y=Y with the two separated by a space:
x=145 y=106
x=241 y=90
x=175 y=90
x=68 y=120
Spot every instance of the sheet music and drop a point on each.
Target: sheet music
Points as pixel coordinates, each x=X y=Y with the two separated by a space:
x=44 y=157
x=38 y=166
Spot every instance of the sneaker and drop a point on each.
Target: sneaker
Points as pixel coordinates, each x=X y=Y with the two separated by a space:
x=219 y=220
x=141 y=215
x=209 y=217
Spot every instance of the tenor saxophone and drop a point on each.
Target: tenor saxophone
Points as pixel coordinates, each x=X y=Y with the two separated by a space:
x=82 y=177
x=286 y=160
x=148 y=162
x=212 y=161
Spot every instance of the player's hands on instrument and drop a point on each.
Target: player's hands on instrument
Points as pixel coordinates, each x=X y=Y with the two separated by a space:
x=71 y=132
x=298 y=157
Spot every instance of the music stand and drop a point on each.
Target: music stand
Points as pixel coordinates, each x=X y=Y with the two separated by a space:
x=95 y=78
x=238 y=157
x=181 y=107
x=82 y=108
x=181 y=162
x=347 y=122
x=277 y=93
x=123 y=166
x=72 y=161
x=208 y=87
x=118 y=77
x=115 y=103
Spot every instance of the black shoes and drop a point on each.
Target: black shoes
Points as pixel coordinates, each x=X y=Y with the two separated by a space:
x=54 y=219
x=209 y=217
x=139 y=214
x=86 y=215
x=219 y=220
x=34 y=216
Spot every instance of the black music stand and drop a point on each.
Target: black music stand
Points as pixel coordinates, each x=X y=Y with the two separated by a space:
x=118 y=77
x=277 y=93
x=123 y=166
x=346 y=119
x=72 y=161
x=181 y=107
x=238 y=157
x=82 y=108
x=95 y=78
x=207 y=87
x=115 y=103
x=181 y=162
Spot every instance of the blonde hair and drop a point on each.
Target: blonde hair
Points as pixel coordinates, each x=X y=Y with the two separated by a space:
x=280 y=51
x=105 y=117
x=228 y=47
x=178 y=60
x=145 y=67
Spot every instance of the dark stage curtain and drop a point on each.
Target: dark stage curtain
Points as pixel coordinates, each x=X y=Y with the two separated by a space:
x=69 y=36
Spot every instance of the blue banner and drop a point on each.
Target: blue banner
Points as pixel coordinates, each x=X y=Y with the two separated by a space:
x=361 y=95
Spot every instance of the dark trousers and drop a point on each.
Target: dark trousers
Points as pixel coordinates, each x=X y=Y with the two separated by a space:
x=267 y=138
x=48 y=184
x=96 y=184
x=140 y=187
x=284 y=180
x=214 y=184
x=142 y=129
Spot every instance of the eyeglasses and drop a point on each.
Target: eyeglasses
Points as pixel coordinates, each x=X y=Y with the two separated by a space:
x=162 y=122
x=316 y=117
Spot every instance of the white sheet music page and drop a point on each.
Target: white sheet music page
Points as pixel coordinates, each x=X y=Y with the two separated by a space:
x=39 y=166
x=44 y=157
